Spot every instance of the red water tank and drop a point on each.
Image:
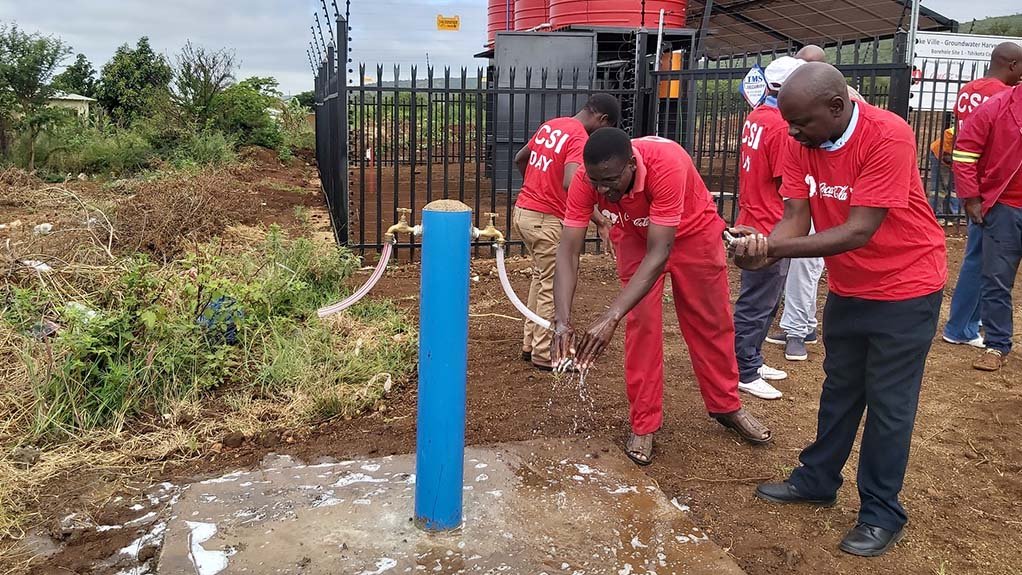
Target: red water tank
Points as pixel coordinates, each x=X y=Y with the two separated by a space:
x=617 y=13
x=501 y=17
x=531 y=13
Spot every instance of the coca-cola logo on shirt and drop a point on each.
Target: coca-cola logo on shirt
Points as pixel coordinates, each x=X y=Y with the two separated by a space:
x=839 y=193
x=615 y=218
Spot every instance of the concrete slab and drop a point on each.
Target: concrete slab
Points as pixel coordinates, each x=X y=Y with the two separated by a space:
x=551 y=506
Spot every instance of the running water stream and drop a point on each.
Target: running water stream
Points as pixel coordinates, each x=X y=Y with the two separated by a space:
x=572 y=384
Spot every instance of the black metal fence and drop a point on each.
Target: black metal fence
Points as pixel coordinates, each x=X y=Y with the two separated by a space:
x=391 y=140
x=332 y=131
x=451 y=136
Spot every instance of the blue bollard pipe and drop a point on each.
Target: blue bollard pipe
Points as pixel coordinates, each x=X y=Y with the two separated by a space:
x=443 y=362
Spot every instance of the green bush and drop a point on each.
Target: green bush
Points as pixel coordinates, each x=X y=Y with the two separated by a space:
x=147 y=337
x=82 y=148
x=242 y=110
x=209 y=147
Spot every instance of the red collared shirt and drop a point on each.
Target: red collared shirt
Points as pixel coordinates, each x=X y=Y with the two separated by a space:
x=666 y=191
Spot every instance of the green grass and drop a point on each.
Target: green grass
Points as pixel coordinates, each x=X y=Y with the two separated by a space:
x=141 y=338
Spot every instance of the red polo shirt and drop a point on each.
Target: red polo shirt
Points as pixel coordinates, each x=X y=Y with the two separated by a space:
x=765 y=142
x=876 y=167
x=666 y=191
x=555 y=144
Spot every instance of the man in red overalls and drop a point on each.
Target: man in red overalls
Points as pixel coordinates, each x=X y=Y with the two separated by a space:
x=664 y=221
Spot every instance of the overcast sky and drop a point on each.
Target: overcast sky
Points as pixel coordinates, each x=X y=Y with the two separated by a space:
x=270 y=37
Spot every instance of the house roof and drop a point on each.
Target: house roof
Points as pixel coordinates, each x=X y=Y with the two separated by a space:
x=71 y=97
x=764 y=25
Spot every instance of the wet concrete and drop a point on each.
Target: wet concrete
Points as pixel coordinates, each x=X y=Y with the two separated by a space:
x=575 y=507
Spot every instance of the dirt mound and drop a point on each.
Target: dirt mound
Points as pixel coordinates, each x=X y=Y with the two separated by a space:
x=259 y=155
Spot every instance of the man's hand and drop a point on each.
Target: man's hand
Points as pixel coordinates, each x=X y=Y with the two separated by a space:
x=751 y=250
x=563 y=348
x=974 y=209
x=595 y=340
x=603 y=228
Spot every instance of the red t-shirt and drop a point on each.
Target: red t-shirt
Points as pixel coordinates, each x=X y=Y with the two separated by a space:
x=666 y=191
x=1012 y=195
x=556 y=143
x=973 y=94
x=764 y=145
x=906 y=257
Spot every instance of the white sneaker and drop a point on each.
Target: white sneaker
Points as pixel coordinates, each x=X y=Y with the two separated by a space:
x=770 y=374
x=760 y=389
x=977 y=342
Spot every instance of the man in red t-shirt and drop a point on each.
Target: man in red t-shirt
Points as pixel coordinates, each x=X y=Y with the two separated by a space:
x=988 y=172
x=664 y=221
x=962 y=327
x=765 y=144
x=855 y=177
x=547 y=164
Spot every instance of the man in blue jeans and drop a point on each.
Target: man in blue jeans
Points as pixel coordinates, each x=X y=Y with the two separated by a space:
x=988 y=175
x=962 y=326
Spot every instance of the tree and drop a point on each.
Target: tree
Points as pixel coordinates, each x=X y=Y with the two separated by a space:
x=265 y=85
x=78 y=78
x=307 y=99
x=130 y=79
x=200 y=75
x=27 y=64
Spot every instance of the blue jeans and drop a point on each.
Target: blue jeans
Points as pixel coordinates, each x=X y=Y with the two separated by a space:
x=963 y=325
x=1002 y=253
x=944 y=200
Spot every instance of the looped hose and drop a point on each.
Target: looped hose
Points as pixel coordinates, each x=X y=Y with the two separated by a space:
x=381 y=267
x=511 y=295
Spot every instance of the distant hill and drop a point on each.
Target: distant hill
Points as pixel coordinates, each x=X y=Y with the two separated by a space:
x=998 y=26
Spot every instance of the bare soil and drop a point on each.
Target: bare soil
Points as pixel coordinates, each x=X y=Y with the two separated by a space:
x=963 y=490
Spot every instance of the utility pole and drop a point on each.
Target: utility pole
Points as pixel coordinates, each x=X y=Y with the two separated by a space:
x=913 y=26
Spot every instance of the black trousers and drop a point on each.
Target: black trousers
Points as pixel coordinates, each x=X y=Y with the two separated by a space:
x=757 y=304
x=876 y=353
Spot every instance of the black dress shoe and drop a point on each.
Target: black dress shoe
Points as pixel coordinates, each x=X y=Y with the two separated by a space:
x=786 y=493
x=869 y=541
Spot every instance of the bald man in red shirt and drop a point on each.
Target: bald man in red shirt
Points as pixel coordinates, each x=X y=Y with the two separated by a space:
x=854 y=175
x=664 y=222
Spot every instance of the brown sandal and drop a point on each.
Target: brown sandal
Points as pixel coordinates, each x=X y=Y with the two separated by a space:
x=746 y=426
x=640 y=449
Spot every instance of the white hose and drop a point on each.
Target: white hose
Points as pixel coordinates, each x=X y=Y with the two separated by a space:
x=349 y=301
x=511 y=295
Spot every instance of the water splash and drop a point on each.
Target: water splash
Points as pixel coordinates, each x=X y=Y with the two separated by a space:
x=573 y=383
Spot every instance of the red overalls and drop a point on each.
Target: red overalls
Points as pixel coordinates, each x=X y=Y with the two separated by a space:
x=698 y=269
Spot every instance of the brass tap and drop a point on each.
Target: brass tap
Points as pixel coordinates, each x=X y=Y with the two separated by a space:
x=401 y=227
x=491 y=231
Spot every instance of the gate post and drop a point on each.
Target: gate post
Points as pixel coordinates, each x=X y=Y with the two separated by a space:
x=901 y=77
x=343 y=171
x=443 y=362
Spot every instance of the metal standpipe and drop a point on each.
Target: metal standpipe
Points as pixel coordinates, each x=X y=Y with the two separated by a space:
x=443 y=362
